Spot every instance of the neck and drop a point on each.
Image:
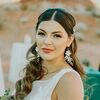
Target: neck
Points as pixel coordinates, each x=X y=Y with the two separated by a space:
x=55 y=65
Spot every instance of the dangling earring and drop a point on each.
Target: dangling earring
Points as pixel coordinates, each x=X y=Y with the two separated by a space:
x=37 y=52
x=68 y=57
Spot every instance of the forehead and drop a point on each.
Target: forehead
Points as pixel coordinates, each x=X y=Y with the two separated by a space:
x=51 y=26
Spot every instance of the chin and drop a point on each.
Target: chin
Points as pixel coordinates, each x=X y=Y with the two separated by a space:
x=47 y=58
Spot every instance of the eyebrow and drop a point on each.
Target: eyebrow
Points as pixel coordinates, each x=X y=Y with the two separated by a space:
x=52 y=32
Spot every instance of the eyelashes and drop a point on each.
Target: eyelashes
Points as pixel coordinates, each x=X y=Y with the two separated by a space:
x=41 y=34
x=58 y=36
x=54 y=35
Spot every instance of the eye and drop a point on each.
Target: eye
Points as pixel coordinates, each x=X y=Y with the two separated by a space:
x=41 y=34
x=57 y=36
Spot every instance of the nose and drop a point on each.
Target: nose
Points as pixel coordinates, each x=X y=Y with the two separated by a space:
x=48 y=40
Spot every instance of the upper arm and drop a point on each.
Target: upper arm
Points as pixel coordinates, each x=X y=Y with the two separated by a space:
x=70 y=87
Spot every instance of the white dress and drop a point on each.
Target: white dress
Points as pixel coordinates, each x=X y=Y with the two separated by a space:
x=43 y=89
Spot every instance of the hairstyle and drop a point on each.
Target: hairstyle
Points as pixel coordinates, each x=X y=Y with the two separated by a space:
x=34 y=69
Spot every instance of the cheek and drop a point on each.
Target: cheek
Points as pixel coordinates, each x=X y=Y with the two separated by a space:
x=61 y=43
x=39 y=42
x=60 y=46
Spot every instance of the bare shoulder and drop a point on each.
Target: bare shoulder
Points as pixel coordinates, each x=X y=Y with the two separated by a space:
x=70 y=87
x=71 y=76
x=70 y=79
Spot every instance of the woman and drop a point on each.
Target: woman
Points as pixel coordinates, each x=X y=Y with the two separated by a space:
x=53 y=72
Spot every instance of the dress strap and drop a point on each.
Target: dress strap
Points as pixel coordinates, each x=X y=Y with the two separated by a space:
x=56 y=79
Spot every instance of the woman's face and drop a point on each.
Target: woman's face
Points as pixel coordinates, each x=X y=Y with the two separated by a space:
x=51 y=40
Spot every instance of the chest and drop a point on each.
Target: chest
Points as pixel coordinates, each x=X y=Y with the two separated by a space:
x=42 y=91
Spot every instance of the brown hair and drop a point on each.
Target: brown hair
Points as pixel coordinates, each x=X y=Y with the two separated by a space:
x=34 y=69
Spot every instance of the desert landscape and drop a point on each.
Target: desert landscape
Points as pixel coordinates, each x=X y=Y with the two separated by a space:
x=19 y=18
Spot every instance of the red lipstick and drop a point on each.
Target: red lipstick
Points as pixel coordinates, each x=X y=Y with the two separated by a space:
x=47 y=50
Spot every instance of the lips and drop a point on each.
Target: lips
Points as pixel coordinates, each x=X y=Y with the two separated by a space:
x=47 y=50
